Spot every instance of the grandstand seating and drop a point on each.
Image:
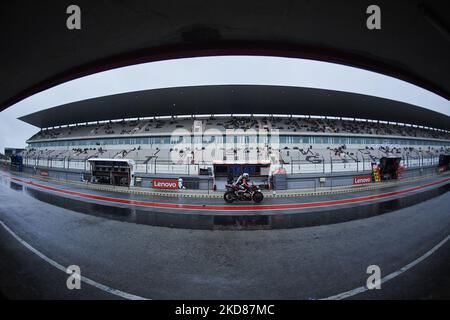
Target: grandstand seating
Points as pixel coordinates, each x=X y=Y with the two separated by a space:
x=282 y=152
x=298 y=125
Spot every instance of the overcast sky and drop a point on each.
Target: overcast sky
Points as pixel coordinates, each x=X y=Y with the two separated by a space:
x=213 y=71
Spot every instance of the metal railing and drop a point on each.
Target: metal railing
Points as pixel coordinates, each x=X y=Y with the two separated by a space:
x=317 y=165
x=361 y=164
x=152 y=167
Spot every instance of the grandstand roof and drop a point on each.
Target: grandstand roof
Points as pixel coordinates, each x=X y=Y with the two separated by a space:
x=413 y=43
x=236 y=99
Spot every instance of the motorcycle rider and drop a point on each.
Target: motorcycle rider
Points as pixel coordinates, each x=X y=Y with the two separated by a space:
x=241 y=190
x=243 y=182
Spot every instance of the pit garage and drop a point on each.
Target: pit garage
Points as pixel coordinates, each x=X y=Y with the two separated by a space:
x=227 y=172
x=117 y=172
x=16 y=163
x=444 y=162
x=390 y=168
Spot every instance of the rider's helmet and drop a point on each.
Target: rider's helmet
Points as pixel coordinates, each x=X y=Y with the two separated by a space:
x=245 y=175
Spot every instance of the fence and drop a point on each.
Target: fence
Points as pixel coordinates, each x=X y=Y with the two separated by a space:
x=359 y=165
x=295 y=166
x=148 y=168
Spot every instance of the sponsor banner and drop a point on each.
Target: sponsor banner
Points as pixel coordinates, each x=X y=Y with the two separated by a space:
x=43 y=173
x=164 y=184
x=362 y=179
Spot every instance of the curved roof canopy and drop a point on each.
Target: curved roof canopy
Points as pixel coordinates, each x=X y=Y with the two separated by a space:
x=237 y=99
x=39 y=51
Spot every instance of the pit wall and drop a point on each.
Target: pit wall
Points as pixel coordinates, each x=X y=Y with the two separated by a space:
x=145 y=180
x=312 y=181
x=293 y=181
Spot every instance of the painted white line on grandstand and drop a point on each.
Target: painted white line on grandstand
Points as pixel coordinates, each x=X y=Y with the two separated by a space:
x=390 y=276
x=60 y=267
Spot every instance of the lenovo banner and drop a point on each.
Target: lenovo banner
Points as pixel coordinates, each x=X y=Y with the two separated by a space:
x=362 y=179
x=164 y=184
x=43 y=173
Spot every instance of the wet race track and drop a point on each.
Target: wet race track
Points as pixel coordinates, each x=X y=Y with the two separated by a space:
x=120 y=259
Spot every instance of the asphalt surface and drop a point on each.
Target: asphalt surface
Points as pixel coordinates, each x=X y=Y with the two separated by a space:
x=164 y=263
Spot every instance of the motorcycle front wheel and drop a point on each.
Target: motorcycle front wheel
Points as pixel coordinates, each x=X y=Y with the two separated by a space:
x=258 y=197
x=229 y=196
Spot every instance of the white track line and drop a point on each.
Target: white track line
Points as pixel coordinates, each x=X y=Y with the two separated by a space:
x=390 y=276
x=55 y=264
x=129 y=296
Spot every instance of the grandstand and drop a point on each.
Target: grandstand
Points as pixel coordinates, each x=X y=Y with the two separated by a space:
x=311 y=133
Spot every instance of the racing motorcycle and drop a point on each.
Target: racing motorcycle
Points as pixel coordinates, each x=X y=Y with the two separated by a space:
x=234 y=193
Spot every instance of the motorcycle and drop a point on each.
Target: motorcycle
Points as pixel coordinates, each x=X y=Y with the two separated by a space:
x=234 y=193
